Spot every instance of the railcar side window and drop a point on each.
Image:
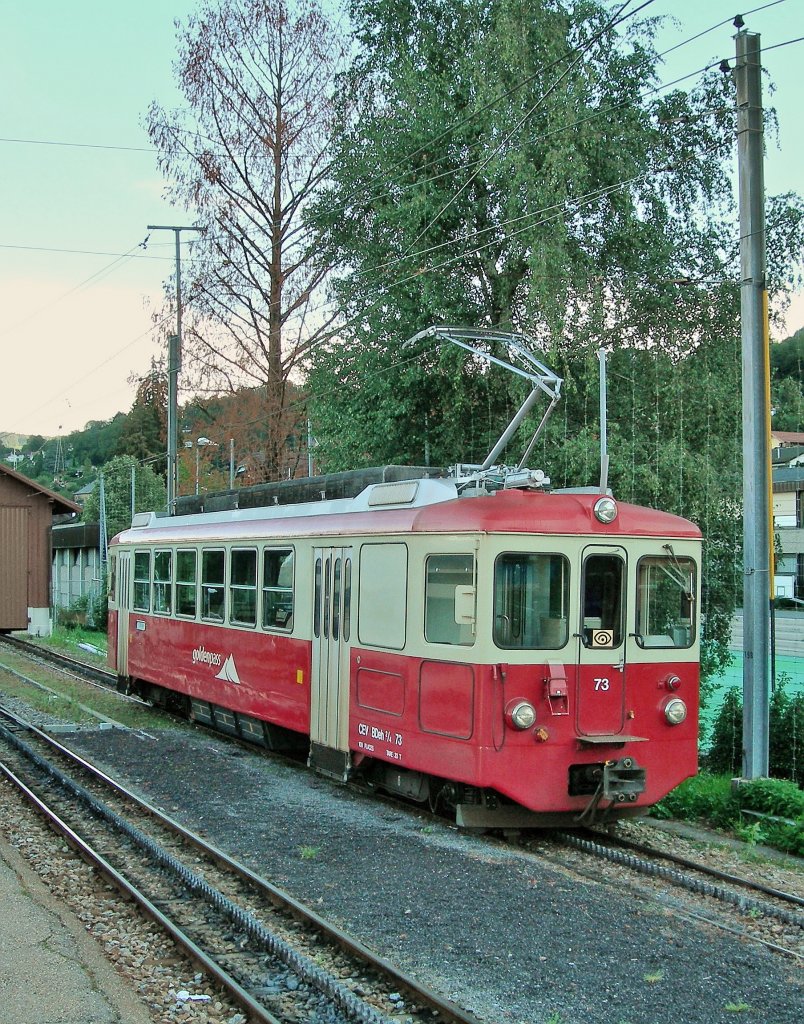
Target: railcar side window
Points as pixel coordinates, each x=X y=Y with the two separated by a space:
x=212 y=585
x=113 y=578
x=603 y=599
x=243 y=587
x=277 y=588
x=531 y=598
x=142 y=581
x=444 y=575
x=186 y=583
x=665 y=602
x=162 y=582
x=347 y=599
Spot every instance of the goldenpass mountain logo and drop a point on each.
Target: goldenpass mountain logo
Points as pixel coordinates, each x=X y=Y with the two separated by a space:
x=205 y=657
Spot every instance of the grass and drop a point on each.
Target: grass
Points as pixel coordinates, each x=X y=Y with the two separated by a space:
x=66 y=641
x=68 y=699
x=309 y=852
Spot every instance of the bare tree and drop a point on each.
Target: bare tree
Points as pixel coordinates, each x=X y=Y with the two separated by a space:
x=249 y=152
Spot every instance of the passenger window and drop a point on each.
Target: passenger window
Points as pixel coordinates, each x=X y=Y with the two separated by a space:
x=212 y=585
x=142 y=581
x=113 y=578
x=445 y=577
x=603 y=599
x=243 y=587
x=531 y=598
x=163 y=582
x=277 y=588
x=665 y=602
x=186 y=583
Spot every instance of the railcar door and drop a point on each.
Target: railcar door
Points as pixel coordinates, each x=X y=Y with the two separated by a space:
x=329 y=691
x=600 y=702
x=122 y=593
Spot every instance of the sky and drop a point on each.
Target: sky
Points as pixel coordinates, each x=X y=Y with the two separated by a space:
x=80 y=184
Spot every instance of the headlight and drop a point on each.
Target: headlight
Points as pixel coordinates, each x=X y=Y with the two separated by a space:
x=605 y=510
x=675 y=711
x=522 y=715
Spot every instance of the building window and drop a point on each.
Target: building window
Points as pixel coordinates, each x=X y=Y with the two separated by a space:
x=213 y=565
x=187 y=583
x=142 y=581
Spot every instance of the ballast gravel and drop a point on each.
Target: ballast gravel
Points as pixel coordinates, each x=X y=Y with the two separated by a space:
x=511 y=938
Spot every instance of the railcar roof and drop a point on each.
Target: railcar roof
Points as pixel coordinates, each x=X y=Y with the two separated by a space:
x=512 y=511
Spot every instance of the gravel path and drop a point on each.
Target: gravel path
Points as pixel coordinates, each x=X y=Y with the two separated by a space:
x=505 y=935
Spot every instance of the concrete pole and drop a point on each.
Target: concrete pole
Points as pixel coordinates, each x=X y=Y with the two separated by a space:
x=174 y=364
x=756 y=414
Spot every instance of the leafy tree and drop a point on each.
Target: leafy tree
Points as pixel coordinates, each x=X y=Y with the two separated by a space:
x=248 y=151
x=118 y=473
x=508 y=165
x=145 y=436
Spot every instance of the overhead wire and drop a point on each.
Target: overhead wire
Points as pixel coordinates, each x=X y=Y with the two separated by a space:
x=440 y=266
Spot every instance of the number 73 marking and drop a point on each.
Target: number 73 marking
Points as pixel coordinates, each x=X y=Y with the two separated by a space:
x=602 y=683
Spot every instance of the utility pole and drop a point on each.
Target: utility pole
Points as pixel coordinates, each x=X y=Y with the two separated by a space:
x=174 y=365
x=757 y=503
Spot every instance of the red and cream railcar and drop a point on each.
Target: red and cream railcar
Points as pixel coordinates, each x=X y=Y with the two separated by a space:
x=522 y=657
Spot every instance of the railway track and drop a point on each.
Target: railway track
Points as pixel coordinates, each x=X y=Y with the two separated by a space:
x=753 y=904
x=277 y=959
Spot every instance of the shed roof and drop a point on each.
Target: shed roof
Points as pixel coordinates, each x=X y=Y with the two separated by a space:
x=60 y=504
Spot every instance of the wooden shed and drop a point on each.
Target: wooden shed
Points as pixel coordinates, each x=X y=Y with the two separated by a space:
x=26 y=517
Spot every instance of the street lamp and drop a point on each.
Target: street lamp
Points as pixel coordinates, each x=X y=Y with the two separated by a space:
x=201 y=442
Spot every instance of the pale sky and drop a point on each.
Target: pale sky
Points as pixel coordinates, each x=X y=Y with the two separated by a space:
x=76 y=317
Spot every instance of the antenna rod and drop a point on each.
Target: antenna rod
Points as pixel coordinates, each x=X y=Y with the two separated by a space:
x=604 y=450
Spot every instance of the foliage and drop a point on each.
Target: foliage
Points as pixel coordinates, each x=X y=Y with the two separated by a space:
x=118 y=473
x=786 y=734
x=712 y=799
x=787 y=357
x=705 y=797
x=86 y=612
x=725 y=753
x=145 y=436
x=247 y=151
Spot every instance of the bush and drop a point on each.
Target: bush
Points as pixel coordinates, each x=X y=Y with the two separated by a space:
x=785 y=740
x=704 y=797
x=726 y=751
x=712 y=799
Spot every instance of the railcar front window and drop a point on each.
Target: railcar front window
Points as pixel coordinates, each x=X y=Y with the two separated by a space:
x=445 y=576
x=212 y=585
x=531 y=598
x=277 y=588
x=142 y=581
x=163 y=561
x=603 y=597
x=243 y=587
x=665 y=602
x=186 y=583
